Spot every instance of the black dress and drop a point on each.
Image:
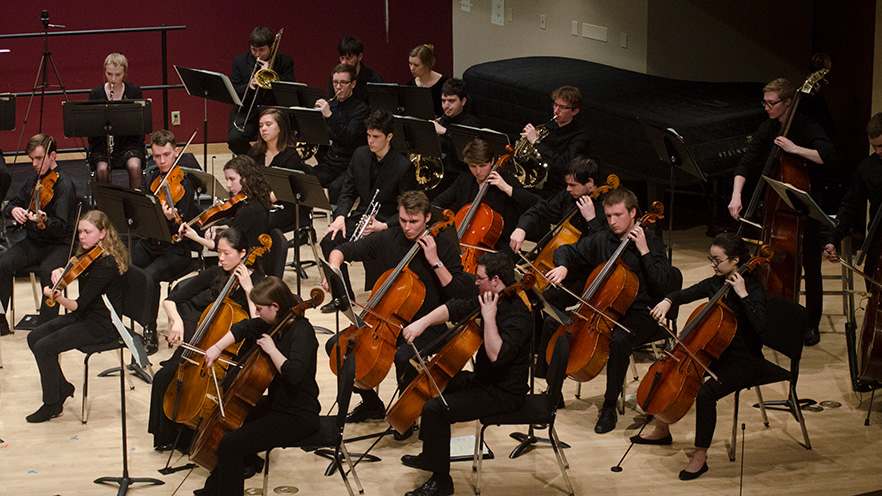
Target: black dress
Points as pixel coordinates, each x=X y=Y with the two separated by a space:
x=124 y=147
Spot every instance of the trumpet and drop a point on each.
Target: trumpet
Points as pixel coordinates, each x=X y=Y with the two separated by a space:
x=263 y=78
x=530 y=168
x=367 y=218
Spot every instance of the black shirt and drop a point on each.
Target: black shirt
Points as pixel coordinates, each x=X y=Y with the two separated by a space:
x=131 y=91
x=866 y=185
x=346 y=130
x=288 y=158
x=194 y=295
x=562 y=145
x=251 y=220
x=365 y=75
x=389 y=246
x=392 y=176
x=186 y=206
x=513 y=321
x=243 y=66
x=59 y=211
x=102 y=277
x=539 y=218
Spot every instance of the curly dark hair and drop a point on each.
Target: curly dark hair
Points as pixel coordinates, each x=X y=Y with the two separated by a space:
x=253 y=183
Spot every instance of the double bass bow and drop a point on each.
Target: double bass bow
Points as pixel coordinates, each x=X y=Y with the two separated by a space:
x=668 y=389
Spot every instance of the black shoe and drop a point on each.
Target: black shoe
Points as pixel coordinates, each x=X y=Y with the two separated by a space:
x=45 y=413
x=684 y=475
x=406 y=435
x=812 y=336
x=329 y=308
x=662 y=441
x=432 y=487
x=66 y=391
x=4 y=326
x=415 y=461
x=607 y=420
x=252 y=466
x=365 y=411
x=164 y=447
x=151 y=341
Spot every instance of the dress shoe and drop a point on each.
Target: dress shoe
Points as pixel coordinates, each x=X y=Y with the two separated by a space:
x=415 y=461
x=66 y=391
x=164 y=447
x=434 y=487
x=4 y=326
x=662 y=441
x=252 y=466
x=151 y=341
x=329 y=308
x=607 y=420
x=366 y=411
x=45 y=413
x=684 y=475
x=812 y=336
x=398 y=436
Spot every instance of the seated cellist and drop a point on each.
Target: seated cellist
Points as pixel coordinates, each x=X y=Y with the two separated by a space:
x=740 y=364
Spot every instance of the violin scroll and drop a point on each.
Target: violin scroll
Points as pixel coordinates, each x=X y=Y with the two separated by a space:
x=266 y=242
x=766 y=254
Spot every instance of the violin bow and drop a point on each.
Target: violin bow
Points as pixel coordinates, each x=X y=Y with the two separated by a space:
x=165 y=176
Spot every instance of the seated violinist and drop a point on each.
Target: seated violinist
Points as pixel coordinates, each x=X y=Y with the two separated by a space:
x=290 y=412
x=645 y=256
x=162 y=260
x=741 y=362
x=49 y=228
x=184 y=306
x=499 y=382
x=88 y=322
x=437 y=267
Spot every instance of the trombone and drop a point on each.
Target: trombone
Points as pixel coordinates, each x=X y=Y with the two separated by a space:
x=263 y=78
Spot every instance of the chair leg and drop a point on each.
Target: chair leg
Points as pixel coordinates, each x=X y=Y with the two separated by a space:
x=578 y=390
x=266 y=465
x=762 y=406
x=634 y=368
x=561 y=460
x=480 y=461
x=563 y=453
x=352 y=471
x=85 y=387
x=35 y=291
x=477 y=445
x=797 y=412
x=734 y=428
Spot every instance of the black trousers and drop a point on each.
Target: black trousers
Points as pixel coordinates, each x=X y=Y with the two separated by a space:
x=467 y=399
x=240 y=141
x=61 y=334
x=735 y=371
x=161 y=263
x=24 y=254
x=165 y=430
x=327 y=244
x=331 y=177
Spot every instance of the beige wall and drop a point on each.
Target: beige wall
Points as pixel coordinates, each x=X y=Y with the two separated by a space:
x=476 y=39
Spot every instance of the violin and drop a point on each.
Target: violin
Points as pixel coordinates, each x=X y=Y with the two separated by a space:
x=75 y=266
x=563 y=234
x=395 y=298
x=478 y=226
x=668 y=390
x=168 y=187
x=41 y=195
x=185 y=398
x=255 y=374
x=214 y=214
x=610 y=290
x=468 y=337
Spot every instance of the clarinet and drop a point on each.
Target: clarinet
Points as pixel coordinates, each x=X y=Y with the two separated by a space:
x=110 y=138
x=372 y=210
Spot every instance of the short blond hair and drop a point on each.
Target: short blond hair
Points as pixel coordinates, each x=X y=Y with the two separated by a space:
x=782 y=87
x=118 y=59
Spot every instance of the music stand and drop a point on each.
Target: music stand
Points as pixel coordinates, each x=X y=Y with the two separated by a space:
x=413 y=135
x=132 y=210
x=412 y=101
x=309 y=123
x=463 y=135
x=801 y=202
x=209 y=182
x=97 y=118
x=125 y=481
x=290 y=94
x=7 y=112
x=208 y=85
x=671 y=149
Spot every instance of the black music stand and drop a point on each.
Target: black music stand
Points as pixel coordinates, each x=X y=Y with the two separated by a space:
x=208 y=85
x=132 y=210
x=412 y=101
x=209 y=182
x=125 y=481
x=463 y=135
x=7 y=112
x=96 y=118
x=290 y=94
x=801 y=202
x=671 y=150
x=414 y=135
x=309 y=123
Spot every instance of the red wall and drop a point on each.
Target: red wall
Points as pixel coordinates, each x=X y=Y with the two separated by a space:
x=216 y=31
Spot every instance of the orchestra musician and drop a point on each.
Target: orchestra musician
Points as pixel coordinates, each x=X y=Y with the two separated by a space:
x=260 y=40
x=740 y=365
x=344 y=119
x=422 y=62
x=438 y=268
x=375 y=167
x=127 y=151
x=251 y=217
x=47 y=247
x=499 y=381
x=807 y=140
x=567 y=137
x=290 y=411
x=351 y=52
x=454 y=95
x=866 y=186
x=506 y=196
x=184 y=307
x=162 y=260
x=88 y=321
x=645 y=256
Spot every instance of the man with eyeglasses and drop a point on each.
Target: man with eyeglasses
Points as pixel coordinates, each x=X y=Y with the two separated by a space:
x=344 y=119
x=806 y=139
x=566 y=139
x=351 y=52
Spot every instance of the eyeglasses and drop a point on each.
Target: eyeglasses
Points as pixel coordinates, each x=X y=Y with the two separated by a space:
x=716 y=262
x=562 y=107
x=769 y=104
x=481 y=278
x=340 y=83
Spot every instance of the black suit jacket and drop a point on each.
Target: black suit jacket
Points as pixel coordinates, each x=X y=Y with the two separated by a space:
x=240 y=75
x=395 y=175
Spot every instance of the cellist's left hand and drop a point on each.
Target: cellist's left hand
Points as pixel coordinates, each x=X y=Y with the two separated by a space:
x=430 y=249
x=244 y=275
x=488 y=305
x=497 y=180
x=736 y=282
x=639 y=238
x=267 y=344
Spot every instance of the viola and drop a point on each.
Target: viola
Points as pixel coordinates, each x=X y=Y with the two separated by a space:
x=253 y=378
x=185 y=398
x=610 y=291
x=75 y=266
x=478 y=226
x=467 y=339
x=214 y=214
x=668 y=390
x=395 y=298
x=563 y=234
x=41 y=195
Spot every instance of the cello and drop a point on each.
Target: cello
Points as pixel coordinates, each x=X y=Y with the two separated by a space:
x=467 y=339
x=478 y=226
x=563 y=234
x=395 y=298
x=256 y=372
x=668 y=389
x=610 y=290
x=185 y=396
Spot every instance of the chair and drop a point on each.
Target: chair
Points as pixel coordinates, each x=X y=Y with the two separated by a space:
x=274 y=261
x=784 y=333
x=134 y=306
x=330 y=432
x=538 y=409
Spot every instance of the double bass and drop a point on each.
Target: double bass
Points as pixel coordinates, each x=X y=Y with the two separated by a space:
x=610 y=290
x=668 y=389
x=395 y=298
